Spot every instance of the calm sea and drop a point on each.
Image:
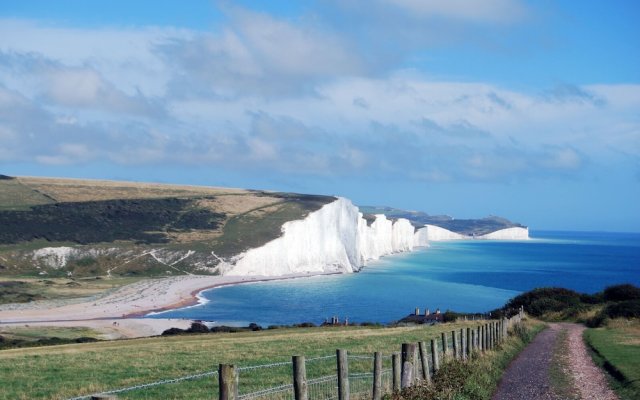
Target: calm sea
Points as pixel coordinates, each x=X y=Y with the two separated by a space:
x=469 y=276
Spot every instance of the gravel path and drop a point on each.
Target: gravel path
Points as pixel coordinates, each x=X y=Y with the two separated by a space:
x=527 y=377
x=588 y=378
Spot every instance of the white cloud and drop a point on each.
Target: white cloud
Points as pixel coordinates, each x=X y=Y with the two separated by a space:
x=485 y=11
x=272 y=95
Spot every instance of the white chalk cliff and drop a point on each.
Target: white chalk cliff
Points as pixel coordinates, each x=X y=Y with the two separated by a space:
x=336 y=238
x=515 y=233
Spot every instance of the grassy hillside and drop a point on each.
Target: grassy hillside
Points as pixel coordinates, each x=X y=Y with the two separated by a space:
x=134 y=229
x=469 y=227
x=65 y=371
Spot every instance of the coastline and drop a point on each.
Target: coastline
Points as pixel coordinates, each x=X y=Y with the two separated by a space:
x=120 y=313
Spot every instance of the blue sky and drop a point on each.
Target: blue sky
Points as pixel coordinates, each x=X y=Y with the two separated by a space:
x=529 y=110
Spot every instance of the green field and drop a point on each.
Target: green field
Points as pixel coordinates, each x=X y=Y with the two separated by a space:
x=112 y=227
x=617 y=349
x=71 y=370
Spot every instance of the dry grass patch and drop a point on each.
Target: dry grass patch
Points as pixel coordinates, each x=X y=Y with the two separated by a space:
x=74 y=190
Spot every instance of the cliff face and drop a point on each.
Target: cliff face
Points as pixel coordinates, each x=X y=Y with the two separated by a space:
x=507 y=234
x=335 y=238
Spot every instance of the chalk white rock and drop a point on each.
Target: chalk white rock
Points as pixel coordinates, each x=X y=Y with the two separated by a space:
x=54 y=257
x=436 y=234
x=335 y=238
x=515 y=233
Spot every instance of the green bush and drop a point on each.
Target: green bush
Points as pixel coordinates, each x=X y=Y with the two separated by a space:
x=623 y=309
x=621 y=293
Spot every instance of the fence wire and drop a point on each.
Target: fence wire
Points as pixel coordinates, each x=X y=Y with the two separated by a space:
x=149 y=385
x=273 y=381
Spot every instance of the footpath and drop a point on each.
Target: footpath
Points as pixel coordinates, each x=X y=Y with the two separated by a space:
x=528 y=377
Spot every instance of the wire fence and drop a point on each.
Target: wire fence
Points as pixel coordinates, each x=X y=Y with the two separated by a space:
x=275 y=381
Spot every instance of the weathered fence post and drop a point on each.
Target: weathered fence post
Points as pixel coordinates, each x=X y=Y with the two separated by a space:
x=473 y=342
x=478 y=345
x=444 y=346
x=408 y=364
x=299 y=378
x=104 y=397
x=463 y=345
x=343 y=374
x=434 y=356
x=426 y=374
x=377 y=375
x=395 y=365
x=469 y=342
x=456 y=348
x=228 y=386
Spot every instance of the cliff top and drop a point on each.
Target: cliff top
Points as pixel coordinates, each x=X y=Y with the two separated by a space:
x=470 y=227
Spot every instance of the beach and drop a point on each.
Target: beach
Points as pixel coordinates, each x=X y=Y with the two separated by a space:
x=118 y=313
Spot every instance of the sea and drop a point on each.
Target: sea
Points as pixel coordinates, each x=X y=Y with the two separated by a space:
x=472 y=276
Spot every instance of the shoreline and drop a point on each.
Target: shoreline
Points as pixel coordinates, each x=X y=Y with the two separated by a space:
x=121 y=313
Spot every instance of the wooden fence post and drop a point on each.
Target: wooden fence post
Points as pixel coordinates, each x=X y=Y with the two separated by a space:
x=377 y=375
x=473 y=342
x=395 y=365
x=445 y=346
x=104 y=397
x=463 y=345
x=456 y=347
x=469 y=343
x=434 y=356
x=426 y=373
x=408 y=364
x=343 y=374
x=299 y=378
x=228 y=378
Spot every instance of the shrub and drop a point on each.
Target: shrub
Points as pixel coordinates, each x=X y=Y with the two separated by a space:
x=255 y=327
x=623 y=309
x=622 y=293
x=198 y=327
x=173 y=331
x=537 y=302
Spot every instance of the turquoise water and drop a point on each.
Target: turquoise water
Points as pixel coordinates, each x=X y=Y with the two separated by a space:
x=469 y=276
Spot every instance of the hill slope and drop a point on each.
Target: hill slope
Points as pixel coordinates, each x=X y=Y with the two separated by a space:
x=67 y=227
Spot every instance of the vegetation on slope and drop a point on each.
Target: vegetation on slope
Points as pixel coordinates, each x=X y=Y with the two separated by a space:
x=559 y=304
x=134 y=229
x=616 y=348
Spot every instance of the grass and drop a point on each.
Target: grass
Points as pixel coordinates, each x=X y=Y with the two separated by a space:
x=43 y=332
x=477 y=379
x=616 y=348
x=559 y=375
x=16 y=196
x=134 y=217
x=71 y=370
x=260 y=225
x=25 y=289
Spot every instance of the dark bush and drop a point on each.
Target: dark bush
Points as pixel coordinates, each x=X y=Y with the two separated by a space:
x=173 y=331
x=255 y=327
x=305 y=325
x=227 y=329
x=198 y=327
x=540 y=301
x=85 y=339
x=622 y=292
x=623 y=309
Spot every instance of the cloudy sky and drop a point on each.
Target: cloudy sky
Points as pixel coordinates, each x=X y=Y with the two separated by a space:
x=529 y=110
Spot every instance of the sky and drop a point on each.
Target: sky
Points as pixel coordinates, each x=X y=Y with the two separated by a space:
x=524 y=109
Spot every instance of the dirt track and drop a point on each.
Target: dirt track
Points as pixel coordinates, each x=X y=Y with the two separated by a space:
x=527 y=377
